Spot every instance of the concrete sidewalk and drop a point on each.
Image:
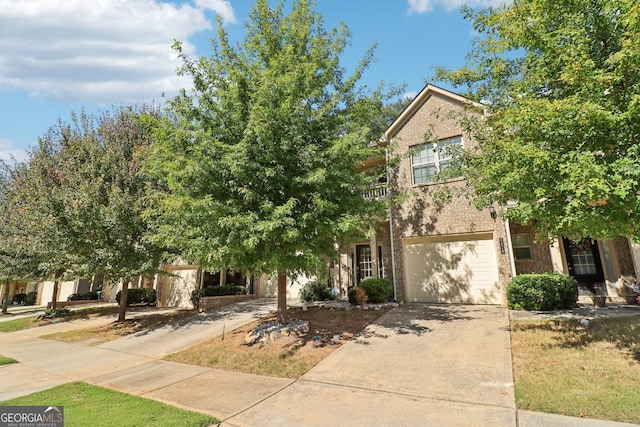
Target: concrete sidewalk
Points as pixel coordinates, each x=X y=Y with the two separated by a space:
x=418 y=365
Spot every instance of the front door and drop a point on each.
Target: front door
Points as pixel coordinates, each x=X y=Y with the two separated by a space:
x=364 y=263
x=583 y=260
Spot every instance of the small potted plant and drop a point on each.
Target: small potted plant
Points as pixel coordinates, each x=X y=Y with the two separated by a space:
x=599 y=300
x=629 y=289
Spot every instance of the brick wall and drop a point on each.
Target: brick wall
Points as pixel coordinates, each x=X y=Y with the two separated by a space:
x=209 y=303
x=421 y=213
x=540 y=253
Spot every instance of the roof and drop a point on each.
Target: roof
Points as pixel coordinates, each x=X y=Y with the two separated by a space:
x=418 y=101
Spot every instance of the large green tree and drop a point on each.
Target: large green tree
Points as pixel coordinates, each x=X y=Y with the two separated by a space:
x=17 y=262
x=83 y=195
x=260 y=165
x=561 y=80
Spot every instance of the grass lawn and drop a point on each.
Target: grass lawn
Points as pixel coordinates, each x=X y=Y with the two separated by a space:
x=16 y=324
x=563 y=367
x=31 y=321
x=6 y=360
x=88 y=405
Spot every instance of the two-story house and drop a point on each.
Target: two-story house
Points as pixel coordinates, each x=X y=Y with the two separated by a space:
x=451 y=252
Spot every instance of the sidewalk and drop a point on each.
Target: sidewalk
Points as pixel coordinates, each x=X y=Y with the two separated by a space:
x=418 y=365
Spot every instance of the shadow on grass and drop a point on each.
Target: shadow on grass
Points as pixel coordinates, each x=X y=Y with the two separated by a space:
x=623 y=332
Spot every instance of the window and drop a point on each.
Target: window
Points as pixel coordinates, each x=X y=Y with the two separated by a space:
x=432 y=158
x=521 y=246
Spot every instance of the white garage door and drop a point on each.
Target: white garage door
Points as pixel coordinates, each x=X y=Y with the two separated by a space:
x=463 y=270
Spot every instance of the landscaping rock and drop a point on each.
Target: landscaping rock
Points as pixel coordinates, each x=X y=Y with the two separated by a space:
x=272 y=331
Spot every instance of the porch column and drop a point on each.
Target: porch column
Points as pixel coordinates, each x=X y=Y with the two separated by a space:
x=374 y=255
x=556 y=256
x=635 y=255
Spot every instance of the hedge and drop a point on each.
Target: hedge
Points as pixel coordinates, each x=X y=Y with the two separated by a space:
x=377 y=290
x=139 y=296
x=542 y=292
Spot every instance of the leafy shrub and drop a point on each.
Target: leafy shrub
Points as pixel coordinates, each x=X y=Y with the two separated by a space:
x=83 y=297
x=57 y=312
x=357 y=296
x=378 y=290
x=548 y=291
x=316 y=291
x=19 y=298
x=196 y=294
x=139 y=296
x=30 y=299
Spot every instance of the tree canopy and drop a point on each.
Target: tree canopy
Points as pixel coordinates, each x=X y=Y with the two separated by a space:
x=81 y=196
x=562 y=82
x=260 y=167
x=17 y=262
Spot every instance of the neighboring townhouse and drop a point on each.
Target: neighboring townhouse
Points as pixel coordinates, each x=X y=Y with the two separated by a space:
x=451 y=252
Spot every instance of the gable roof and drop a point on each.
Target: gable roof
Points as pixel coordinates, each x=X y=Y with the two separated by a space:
x=426 y=93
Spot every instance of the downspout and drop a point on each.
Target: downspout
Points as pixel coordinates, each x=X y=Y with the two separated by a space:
x=512 y=263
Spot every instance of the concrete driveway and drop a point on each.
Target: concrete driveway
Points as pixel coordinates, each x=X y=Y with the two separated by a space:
x=437 y=365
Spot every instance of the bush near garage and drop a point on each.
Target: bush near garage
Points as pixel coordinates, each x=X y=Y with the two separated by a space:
x=30 y=299
x=542 y=292
x=316 y=291
x=19 y=298
x=82 y=297
x=139 y=296
x=377 y=290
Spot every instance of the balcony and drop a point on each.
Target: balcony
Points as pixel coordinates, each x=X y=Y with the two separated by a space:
x=375 y=192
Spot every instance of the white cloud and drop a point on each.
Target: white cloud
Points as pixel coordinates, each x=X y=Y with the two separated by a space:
x=100 y=51
x=424 y=6
x=221 y=7
x=410 y=95
x=9 y=153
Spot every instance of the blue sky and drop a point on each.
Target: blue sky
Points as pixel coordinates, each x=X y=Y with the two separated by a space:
x=58 y=56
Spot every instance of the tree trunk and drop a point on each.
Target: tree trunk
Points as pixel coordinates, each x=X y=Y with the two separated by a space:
x=56 y=284
x=122 y=313
x=282 y=298
x=5 y=298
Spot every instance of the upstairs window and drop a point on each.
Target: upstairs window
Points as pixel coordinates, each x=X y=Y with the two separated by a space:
x=432 y=158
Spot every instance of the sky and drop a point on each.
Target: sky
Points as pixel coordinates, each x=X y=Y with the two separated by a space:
x=64 y=56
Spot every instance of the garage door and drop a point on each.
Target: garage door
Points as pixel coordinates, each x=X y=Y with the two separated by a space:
x=460 y=270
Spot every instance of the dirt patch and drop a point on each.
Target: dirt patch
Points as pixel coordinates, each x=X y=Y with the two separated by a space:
x=288 y=356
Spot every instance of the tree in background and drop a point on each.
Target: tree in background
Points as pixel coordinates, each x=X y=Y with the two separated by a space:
x=562 y=81
x=260 y=166
x=83 y=195
x=16 y=261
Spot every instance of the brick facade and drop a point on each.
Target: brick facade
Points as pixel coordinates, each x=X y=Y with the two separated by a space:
x=421 y=213
x=540 y=261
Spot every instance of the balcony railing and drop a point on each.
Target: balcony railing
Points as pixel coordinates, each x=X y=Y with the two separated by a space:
x=375 y=192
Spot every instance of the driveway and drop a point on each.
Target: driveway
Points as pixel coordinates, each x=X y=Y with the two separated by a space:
x=418 y=365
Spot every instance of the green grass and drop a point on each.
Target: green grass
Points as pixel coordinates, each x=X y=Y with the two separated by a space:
x=562 y=367
x=6 y=360
x=88 y=405
x=16 y=324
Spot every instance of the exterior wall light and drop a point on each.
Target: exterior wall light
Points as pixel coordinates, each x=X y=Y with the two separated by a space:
x=492 y=212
